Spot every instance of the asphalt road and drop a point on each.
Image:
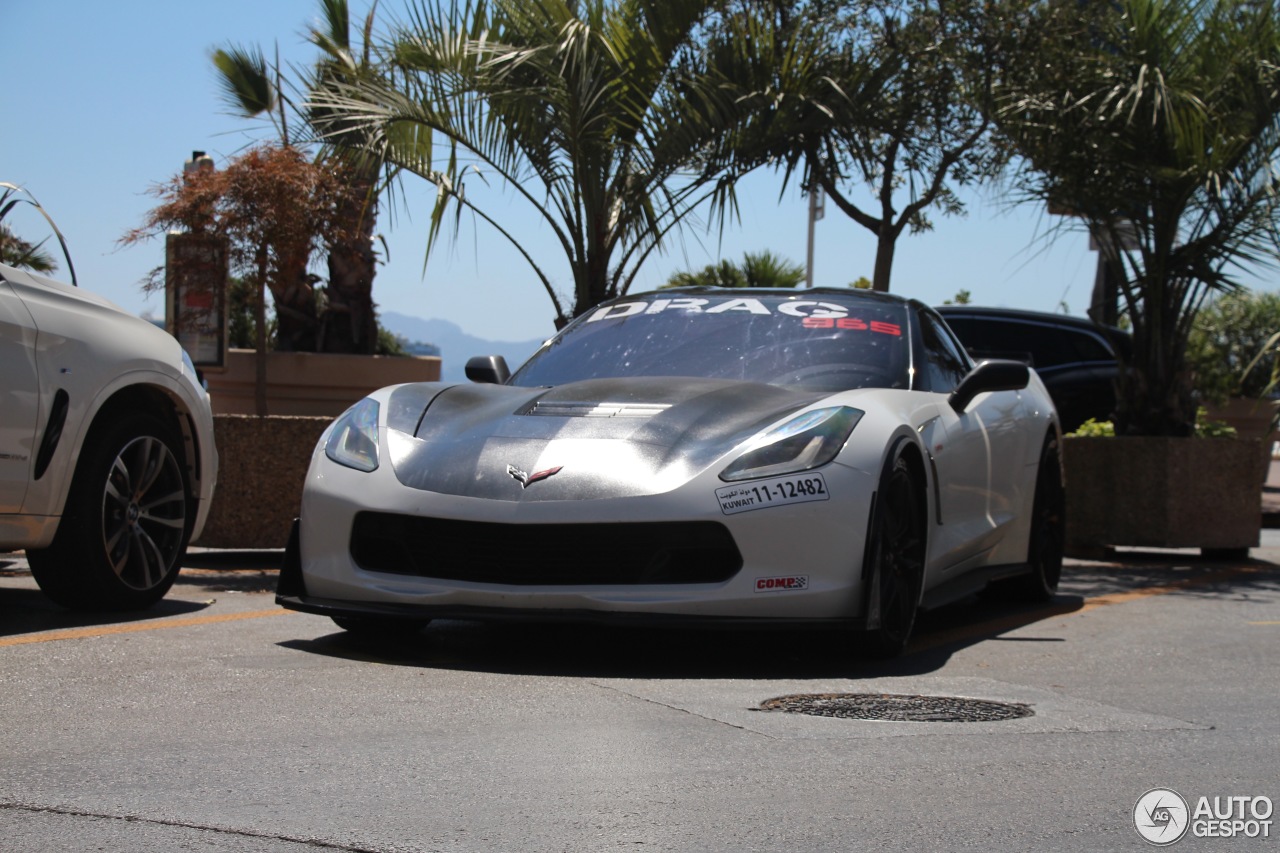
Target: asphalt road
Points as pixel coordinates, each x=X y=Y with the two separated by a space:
x=218 y=722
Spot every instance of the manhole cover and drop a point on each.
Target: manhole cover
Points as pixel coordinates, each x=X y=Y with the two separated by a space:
x=897 y=708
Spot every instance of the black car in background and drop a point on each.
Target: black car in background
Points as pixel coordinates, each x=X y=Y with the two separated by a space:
x=1071 y=354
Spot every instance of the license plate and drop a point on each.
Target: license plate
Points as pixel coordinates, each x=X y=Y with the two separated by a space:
x=779 y=491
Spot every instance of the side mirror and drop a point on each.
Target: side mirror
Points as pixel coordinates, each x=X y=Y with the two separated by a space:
x=992 y=375
x=488 y=369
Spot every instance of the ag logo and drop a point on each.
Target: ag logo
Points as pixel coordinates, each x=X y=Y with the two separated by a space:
x=1161 y=816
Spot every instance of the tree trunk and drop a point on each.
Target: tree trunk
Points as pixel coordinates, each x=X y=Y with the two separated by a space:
x=349 y=322
x=260 y=338
x=1153 y=395
x=295 y=301
x=885 y=246
x=593 y=277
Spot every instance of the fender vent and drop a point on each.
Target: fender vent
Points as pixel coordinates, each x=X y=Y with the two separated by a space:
x=52 y=432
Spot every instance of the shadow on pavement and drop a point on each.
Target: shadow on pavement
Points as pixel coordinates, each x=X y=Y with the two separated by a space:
x=1178 y=574
x=25 y=610
x=629 y=652
x=28 y=611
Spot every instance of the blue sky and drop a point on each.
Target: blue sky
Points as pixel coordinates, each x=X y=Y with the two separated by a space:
x=104 y=100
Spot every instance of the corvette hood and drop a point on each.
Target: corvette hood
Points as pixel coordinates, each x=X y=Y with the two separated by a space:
x=600 y=438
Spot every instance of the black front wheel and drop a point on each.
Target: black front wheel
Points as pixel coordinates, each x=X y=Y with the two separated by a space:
x=124 y=528
x=1048 y=534
x=896 y=556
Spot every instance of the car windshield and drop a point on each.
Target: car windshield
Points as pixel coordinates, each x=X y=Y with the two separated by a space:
x=822 y=341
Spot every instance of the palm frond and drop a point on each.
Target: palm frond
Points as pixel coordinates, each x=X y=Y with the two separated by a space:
x=578 y=107
x=12 y=195
x=245 y=80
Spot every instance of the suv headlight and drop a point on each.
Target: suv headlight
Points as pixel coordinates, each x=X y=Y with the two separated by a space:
x=189 y=370
x=807 y=441
x=353 y=438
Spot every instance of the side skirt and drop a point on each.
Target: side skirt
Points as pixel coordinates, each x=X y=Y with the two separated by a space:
x=970 y=583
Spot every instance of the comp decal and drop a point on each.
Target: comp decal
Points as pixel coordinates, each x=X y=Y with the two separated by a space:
x=782 y=583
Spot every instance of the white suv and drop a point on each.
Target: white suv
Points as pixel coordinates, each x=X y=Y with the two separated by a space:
x=107 y=462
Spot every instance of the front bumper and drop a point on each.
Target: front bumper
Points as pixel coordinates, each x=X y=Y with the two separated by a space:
x=291 y=593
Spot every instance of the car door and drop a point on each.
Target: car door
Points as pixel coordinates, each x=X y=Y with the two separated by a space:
x=19 y=399
x=977 y=454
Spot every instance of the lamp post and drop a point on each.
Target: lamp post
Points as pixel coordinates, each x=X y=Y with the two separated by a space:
x=817 y=203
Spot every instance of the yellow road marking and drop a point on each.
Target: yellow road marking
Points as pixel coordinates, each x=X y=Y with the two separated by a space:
x=995 y=627
x=1185 y=583
x=132 y=627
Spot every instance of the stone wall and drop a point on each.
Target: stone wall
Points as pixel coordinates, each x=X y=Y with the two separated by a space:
x=310 y=383
x=262 y=463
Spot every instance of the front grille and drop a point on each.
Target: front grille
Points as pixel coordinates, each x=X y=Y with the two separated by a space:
x=545 y=554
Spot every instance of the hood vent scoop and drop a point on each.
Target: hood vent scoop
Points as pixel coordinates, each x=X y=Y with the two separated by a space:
x=596 y=410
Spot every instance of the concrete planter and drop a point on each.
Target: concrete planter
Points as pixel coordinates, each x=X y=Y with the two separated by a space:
x=1251 y=419
x=1161 y=493
x=311 y=384
x=262 y=463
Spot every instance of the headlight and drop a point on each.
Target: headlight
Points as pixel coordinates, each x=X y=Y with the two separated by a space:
x=189 y=369
x=353 y=438
x=806 y=441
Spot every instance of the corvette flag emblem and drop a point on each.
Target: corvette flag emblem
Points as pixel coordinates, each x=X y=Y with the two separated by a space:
x=526 y=479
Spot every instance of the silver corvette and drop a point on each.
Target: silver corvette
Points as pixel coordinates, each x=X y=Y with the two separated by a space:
x=817 y=456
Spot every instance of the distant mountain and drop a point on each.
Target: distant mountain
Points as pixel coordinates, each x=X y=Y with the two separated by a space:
x=456 y=346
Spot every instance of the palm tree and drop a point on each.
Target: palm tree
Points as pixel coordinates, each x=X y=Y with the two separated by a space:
x=871 y=95
x=17 y=252
x=1157 y=123
x=253 y=87
x=592 y=112
x=758 y=269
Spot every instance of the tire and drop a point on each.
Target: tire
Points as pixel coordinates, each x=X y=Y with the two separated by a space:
x=895 y=554
x=380 y=629
x=125 y=525
x=1048 y=534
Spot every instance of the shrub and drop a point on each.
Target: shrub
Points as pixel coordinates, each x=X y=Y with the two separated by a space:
x=1228 y=334
x=1204 y=428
